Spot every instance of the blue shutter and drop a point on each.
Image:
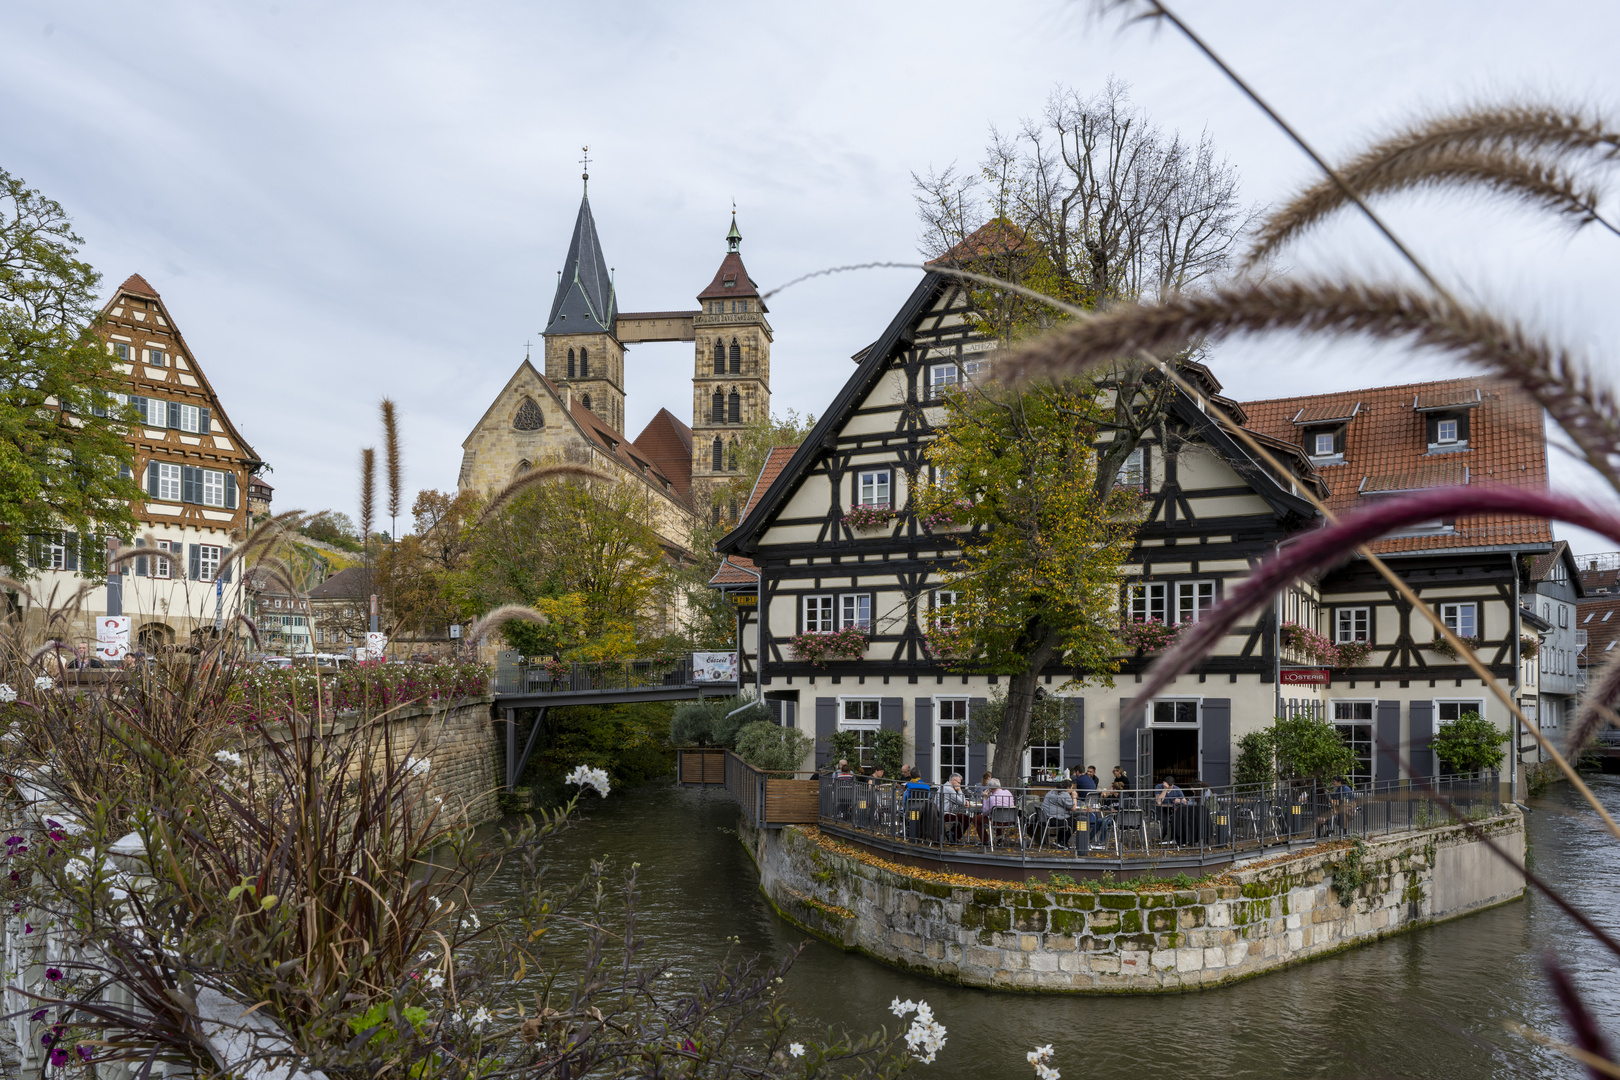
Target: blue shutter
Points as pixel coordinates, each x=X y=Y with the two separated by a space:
x=1422 y=753
x=125 y=472
x=174 y=415
x=1131 y=722
x=978 y=752
x=140 y=560
x=1074 y=740
x=70 y=545
x=230 y=491
x=196 y=562
x=891 y=713
x=826 y=724
x=138 y=403
x=775 y=705
x=1217 y=770
x=205 y=423
x=225 y=565
x=152 y=478
x=190 y=484
x=1387 y=748
x=924 y=737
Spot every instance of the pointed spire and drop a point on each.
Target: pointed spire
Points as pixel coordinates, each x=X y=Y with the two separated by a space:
x=733 y=238
x=585 y=302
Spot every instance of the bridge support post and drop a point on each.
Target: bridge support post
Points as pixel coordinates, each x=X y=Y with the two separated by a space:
x=511 y=747
x=528 y=749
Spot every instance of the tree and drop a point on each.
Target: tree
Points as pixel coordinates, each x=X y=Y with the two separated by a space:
x=1048 y=721
x=331 y=527
x=64 y=461
x=417 y=570
x=1091 y=204
x=1470 y=743
x=1038 y=583
x=1294 y=748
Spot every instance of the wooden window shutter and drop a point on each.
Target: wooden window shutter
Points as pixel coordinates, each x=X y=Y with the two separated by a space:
x=70 y=548
x=152 y=478
x=195 y=564
x=230 y=493
x=923 y=736
x=205 y=422
x=140 y=560
x=174 y=414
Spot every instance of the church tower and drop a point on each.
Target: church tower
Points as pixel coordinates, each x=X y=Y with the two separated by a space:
x=731 y=381
x=582 y=348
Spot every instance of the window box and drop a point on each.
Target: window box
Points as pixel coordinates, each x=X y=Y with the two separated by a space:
x=948 y=516
x=1443 y=647
x=1309 y=644
x=868 y=517
x=819 y=647
x=1148 y=635
x=1352 y=653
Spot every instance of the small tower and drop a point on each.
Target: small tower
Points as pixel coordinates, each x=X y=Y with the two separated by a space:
x=731 y=380
x=582 y=349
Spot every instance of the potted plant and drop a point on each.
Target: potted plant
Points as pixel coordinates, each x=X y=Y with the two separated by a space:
x=1149 y=635
x=868 y=517
x=818 y=647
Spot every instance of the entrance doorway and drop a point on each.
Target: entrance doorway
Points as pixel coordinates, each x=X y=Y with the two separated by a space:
x=1175 y=754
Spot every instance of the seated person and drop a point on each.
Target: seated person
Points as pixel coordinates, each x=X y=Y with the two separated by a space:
x=995 y=795
x=951 y=796
x=1169 y=794
x=1059 y=806
x=978 y=791
x=843 y=772
x=1122 y=781
x=1087 y=779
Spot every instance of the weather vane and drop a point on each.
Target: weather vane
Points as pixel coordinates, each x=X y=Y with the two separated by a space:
x=585 y=161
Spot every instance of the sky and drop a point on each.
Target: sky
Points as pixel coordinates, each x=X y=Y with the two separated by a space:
x=341 y=201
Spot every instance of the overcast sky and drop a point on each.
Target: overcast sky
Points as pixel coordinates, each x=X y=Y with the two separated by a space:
x=342 y=200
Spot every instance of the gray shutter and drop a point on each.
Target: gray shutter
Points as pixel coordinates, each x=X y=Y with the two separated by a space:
x=138 y=403
x=1387 y=745
x=140 y=560
x=225 y=565
x=923 y=725
x=1462 y=424
x=70 y=548
x=1129 y=724
x=230 y=491
x=125 y=472
x=190 y=484
x=174 y=415
x=826 y=724
x=1217 y=771
x=196 y=562
x=1074 y=740
x=152 y=478
x=978 y=752
x=205 y=423
x=891 y=713
x=775 y=705
x=1422 y=753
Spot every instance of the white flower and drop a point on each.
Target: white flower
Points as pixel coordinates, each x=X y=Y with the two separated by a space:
x=43 y=682
x=435 y=979
x=1040 y=1058
x=926 y=1036
x=227 y=757
x=481 y=1017
x=419 y=767
x=588 y=777
x=7 y=694
x=77 y=869
x=796 y=1049
x=472 y=917
x=900 y=1008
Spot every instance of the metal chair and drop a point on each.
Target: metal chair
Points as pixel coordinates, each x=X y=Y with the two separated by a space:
x=1002 y=818
x=843 y=799
x=1132 y=821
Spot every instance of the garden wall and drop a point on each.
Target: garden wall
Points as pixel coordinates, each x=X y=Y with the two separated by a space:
x=1038 y=937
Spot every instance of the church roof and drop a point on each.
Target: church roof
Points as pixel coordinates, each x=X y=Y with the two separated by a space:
x=730 y=281
x=584 y=303
x=137 y=285
x=628 y=455
x=668 y=444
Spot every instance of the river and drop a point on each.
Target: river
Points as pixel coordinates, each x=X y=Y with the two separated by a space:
x=1432 y=1003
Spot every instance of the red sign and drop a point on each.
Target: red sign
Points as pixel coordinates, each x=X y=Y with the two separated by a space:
x=1310 y=676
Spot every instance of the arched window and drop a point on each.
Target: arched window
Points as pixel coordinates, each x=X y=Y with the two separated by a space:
x=570 y=363
x=717 y=410
x=587 y=400
x=529 y=417
x=584 y=365
x=731 y=459
x=734 y=408
x=719 y=357
x=733 y=508
x=714 y=514
x=522 y=467
x=719 y=455
x=736 y=357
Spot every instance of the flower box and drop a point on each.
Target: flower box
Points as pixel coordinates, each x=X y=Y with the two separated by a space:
x=817 y=648
x=868 y=517
x=948 y=516
x=1443 y=647
x=1148 y=636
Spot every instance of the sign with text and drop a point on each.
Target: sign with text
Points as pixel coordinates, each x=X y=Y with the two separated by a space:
x=376 y=645
x=714 y=667
x=744 y=600
x=112 y=637
x=455 y=631
x=1310 y=676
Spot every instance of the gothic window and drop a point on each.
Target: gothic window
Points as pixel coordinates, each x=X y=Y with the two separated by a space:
x=522 y=467
x=733 y=508
x=731 y=460
x=734 y=408
x=719 y=357
x=714 y=514
x=570 y=363
x=587 y=400
x=719 y=455
x=584 y=365
x=717 y=409
x=529 y=417
x=736 y=357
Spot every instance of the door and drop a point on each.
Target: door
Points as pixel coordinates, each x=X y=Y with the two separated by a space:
x=1144 y=759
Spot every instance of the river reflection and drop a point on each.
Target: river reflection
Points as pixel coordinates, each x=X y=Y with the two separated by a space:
x=1426 y=1004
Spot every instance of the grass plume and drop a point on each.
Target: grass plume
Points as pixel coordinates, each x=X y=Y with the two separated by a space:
x=391 y=459
x=368 y=492
x=501 y=616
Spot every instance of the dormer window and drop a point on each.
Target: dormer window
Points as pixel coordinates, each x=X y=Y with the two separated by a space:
x=1446 y=415
x=1446 y=432
x=1322 y=429
x=1324 y=444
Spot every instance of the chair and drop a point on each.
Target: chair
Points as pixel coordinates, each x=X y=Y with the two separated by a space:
x=843 y=799
x=1003 y=818
x=1046 y=824
x=1132 y=820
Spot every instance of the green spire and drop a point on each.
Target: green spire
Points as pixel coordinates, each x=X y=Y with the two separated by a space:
x=733 y=238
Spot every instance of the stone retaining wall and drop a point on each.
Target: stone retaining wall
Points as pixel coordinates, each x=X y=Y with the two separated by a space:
x=1112 y=941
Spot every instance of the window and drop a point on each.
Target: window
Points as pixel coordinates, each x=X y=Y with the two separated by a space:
x=734 y=408
x=1447 y=712
x=585 y=399
x=1323 y=444
x=974 y=370
x=168 y=482
x=1175 y=712
x=156 y=358
x=1459 y=619
x=152 y=412
x=942 y=377
x=213 y=487
x=1133 y=470
x=163 y=568
x=855 y=609
x=1549 y=712
x=1352 y=624
x=1146 y=600
x=1045 y=759
x=1563 y=615
x=861 y=715
x=731 y=459
x=1193 y=598
x=1354 y=722
x=818 y=614
x=952 y=738
x=54 y=552
x=122 y=352
x=207 y=561
x=190 y=418
x=719 y=357
x=717 y=409
x=872 y=488
x=1445 y=431
x=570 y=363
x=719 y=454
x=736 y=357
x=584 y=364
x=945 y=602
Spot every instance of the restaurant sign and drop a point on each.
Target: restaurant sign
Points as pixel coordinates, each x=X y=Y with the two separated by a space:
x=1309 y=676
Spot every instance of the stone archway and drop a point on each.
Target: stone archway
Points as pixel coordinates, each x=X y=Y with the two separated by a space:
x=152 y=636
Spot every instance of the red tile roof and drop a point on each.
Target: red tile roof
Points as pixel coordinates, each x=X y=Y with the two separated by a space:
x=1600 y=618
x=730 y=280
x=137 y=285
x=667 y=443
x=1386 y=450
x=734 y=569
x=996 y=237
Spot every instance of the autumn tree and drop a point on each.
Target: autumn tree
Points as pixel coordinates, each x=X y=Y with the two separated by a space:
x=1089 y=203
x=64 y=461
x=1037 y=585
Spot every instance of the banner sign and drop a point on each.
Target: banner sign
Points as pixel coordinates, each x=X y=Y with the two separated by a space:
x=376 y=645
x=112 y=637
x=1305 y=676
x=744 y=600
x=714 y=667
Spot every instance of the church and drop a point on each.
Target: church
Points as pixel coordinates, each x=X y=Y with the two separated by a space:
x=574 y=408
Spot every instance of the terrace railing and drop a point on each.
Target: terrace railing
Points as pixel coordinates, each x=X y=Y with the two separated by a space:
x=772 y=800
x=580 y=676
x=1206 y=825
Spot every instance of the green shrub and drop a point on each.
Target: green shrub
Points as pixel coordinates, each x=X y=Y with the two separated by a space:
x=707 y=723
x=1469 y=744
x=768 y=746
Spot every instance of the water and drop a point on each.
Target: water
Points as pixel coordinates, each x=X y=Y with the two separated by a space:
x=1432 y=1003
